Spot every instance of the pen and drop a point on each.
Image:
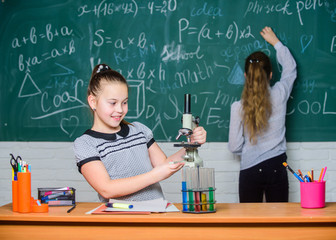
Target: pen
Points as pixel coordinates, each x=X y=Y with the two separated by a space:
x=291 y=170
x=72 y=208
x=119 y=205
x=312 y=175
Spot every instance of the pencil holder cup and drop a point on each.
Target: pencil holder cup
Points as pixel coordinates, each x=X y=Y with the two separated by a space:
x=24 y=192
x=312 y=194
x=15 y=201
x=198 y=190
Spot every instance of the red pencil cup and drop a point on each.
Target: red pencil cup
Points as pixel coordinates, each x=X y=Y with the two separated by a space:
x=312 y=194
x=24 y=192
x=15 y=203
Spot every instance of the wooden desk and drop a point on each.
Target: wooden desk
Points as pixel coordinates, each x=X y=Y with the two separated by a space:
x=231 y=221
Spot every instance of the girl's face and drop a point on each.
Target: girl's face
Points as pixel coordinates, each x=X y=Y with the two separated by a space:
x=110 y=107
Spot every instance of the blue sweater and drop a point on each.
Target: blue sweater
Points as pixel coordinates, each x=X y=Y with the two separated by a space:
x=272 y=142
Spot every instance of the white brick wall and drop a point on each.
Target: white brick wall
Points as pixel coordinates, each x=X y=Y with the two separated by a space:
x=53 y=165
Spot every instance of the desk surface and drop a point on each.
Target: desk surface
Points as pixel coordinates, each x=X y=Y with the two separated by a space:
x=226 y=213
x=231 y=221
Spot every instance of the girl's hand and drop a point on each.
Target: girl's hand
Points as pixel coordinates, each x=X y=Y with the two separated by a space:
x=199 y=135
x=164 y=171
x=268 y=34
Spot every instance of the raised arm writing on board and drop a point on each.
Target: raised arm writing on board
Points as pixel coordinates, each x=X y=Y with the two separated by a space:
x=268 y=34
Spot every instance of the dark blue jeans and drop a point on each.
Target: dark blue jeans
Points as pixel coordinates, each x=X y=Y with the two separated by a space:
x=269 y=178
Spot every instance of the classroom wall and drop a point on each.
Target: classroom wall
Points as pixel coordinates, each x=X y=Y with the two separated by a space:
x=53 y=165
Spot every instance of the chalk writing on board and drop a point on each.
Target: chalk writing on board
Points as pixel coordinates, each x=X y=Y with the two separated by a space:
x=209 y=10
x=31 y=84
x=69 y=125
x=54 y=105
x=131 y=8
x=286 y=8
x=25 y=62
x=306 y=107
x=305 y=41
x=34 y=37
x=333 y=45
x=207 y=32
x=136 y=109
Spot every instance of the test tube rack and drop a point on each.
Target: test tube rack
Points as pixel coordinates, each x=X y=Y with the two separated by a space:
x=198 y=190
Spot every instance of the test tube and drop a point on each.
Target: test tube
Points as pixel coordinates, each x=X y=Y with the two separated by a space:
x=190 y=189
x=203 y=186
x=184 y=189
x=197 y=193
x=211 y=184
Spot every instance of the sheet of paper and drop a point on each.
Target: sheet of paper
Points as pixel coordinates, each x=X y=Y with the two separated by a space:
x=155 y=205
x=172 y=208
x=89 y=212
x=101 y=211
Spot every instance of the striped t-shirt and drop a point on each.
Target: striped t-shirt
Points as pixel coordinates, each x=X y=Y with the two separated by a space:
x=124 y=154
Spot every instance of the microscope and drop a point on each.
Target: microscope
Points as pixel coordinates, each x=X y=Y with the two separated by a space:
x=189 y=123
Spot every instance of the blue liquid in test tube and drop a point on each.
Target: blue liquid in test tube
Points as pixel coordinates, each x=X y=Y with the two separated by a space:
x=184 y=196
x=184 y=189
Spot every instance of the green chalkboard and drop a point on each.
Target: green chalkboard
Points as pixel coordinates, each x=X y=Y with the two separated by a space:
x=165 y=49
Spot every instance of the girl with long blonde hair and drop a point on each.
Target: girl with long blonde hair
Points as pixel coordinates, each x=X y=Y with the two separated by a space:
x=257 y=125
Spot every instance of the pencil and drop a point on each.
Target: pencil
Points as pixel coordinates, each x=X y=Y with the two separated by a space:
x=300 y=173
x=321 y=175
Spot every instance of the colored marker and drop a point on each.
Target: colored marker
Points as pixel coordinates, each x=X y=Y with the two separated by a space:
x=56 y=191
x=291 y=170
x=119 y=205
x=57 y=194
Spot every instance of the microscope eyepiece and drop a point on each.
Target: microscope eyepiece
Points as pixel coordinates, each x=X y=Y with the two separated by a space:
x=187 y=103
